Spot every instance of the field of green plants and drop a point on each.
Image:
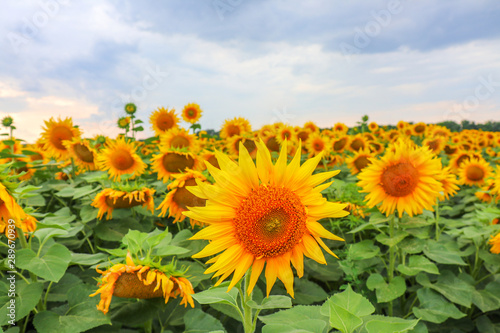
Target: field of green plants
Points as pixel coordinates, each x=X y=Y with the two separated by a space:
x=277 y=229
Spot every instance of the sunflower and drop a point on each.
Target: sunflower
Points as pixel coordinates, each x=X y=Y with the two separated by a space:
x=496 y=182
x=406 y=179
x=402 y=125
x=449 y=181
x=285 y=132
x=7 y=121
x=373 y=126
x=168 y=163
x=233 y=145
x=55 y=132
x=191 y=113
x=419 y=129
x=318 y=144
x=123 y=123
x=264 y=214
x=130 y=108
x=120 y=158
x=495 y=242
x=179 y=198
x=460 y=157
x=109 y=199
x=340 y=128
x=360 y=160
x=179 y=138
x=376 y=147
x=435 y=144
x=271 y=142
x=236 y=126
x=450 y=149
x=141 y=281
x=339 y=144
x=474 y=171
x=81 y=152
x=163 y=120
x=9 y=209
x=311 y=127
x=357 y=142
x=209 y=157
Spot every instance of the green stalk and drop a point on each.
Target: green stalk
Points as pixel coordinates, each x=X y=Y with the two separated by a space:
x=392 y=258
x=247 y=320
x=438 y=232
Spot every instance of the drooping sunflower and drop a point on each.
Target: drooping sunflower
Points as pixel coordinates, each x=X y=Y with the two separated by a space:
x=263 y=214
x=317 y=144
x=55 y=132
x=141 y=281
x=109 y=199
x=168 y=163
x=179 y=198
x=359 y=161
x=406 y=178
x=236 y=126
x=82 y=152
x=474 y=171
x=163 y=120
x=191 y=113
x=120 y=158
x=179 y=138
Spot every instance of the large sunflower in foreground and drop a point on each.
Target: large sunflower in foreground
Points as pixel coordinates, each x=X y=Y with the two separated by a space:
x=406 y=178
x=142 y=281
x=191 y=113
x=263 y=215
x=163 y=120
x=55 y=133
x=120 y=158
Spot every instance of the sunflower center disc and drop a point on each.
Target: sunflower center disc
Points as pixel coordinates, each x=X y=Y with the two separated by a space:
x=474 y=173
x=83 y=153
x=270 y=221
x=121 y=159
x=233 y=130
x=400 y=179
x=361 y=162
x=173 y=162
x=340 y=144
x=183 y=198
x=59 y=134
x=165 y=122
x=190 y=113
x=179 y=142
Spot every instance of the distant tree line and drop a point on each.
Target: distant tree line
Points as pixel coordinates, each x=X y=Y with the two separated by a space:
x=490 y=126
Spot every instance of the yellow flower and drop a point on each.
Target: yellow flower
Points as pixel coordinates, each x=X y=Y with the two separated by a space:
x=233 y=145
x=474 y=171
x=495 y=242
x=339 y=144
x=168 y=163
x=178 y=138
x=191 y=113
x=130 y=108
x=109 y=199
x=137 y=281
x=236 y=126
x=406 y=179
x=179 y=198
x=373 y=126
x=55 y=133
x=318 y=144
x=341 y=128
x=81 y=151
x=264 y=214
x=163 y=120
x=120 y=158
x=449 y=181
x=285 y=132
x=357 y=142
x=359 y=161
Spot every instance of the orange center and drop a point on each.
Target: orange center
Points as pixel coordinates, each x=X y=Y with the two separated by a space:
x=474 y=173
x=303 y=135
x=357 y=144
x=232 y=130
x=318 y=145
x=433 y=145
x=179 y=141
x=173 y=162
x=270 y=221
x=83 y=153
x=121 y=159
x=183 y=198
x=59 y=134
x=400 y=179
x=361 y=162
x=165 y=121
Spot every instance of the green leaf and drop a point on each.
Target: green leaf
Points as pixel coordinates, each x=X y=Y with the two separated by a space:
x=363 y=250
x=329 y=272
x=116 y=229
x=386 y=292
x=377 y=324
x=414 y=222
x=88 y=213
x=272 y=302
x=448 y=253
x=27 y=297
x=35 y=201
x=198 y=321
x=134 y=240
x=435 y=308
x=44 y=234
x=297 y=314
x=66 y=192
x=455 y=289
x=386 y=240
x=138 y=121
x=417 y=264
x=51 y=266
x=346 y=309
x=81 y=316
x=412 y=245
x=308 y=292
x=302 y=326
x=85 y=190
x=59 y=290
x=87 y=259
x=170 y=250
x=138 y=129
x=218 y=295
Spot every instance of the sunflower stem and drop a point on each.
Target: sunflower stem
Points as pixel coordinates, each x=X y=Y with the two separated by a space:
x=392 y=258
x=248 y=322
x=438 y=231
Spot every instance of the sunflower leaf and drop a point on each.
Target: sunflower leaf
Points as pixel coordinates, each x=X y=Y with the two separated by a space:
x=218 y=294
x=435 y=308
x=51 y=266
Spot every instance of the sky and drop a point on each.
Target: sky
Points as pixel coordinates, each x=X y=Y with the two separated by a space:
x=291 y=61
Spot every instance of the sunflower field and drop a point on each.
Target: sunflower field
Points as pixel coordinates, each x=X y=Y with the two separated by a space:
x=373 y=228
